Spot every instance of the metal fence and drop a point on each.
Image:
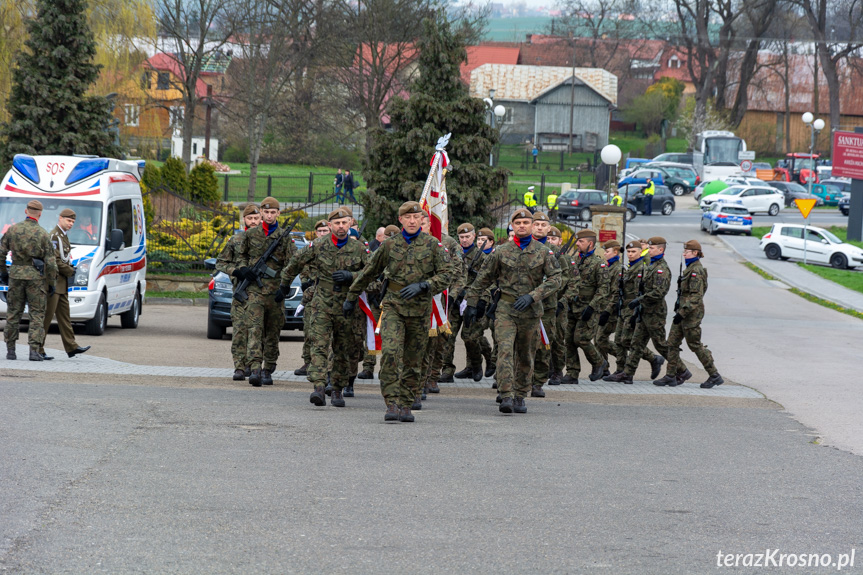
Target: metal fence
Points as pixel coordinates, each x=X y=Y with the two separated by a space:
x=547 y=161
x=286 y=189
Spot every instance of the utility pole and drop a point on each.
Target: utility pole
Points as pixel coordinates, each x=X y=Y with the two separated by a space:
x=209 y=117
x=571 y=95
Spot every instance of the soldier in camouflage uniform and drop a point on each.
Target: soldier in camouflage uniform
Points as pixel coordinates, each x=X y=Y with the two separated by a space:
x=476 y=345
x=527 y=273
x=561 y=321
x=692 y=285
x=227 y=264
x=586 y=294
x=265 y=306
x=375 y=299
x=651 y=299
x=336 y=259
x=469 y=258
x=474 y=336
x=415 y=267
x=308 y=277
x=31 y=250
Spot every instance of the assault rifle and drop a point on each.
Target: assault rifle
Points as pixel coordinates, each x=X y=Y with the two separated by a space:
x=261 y=269
x=492 y=308
x=679 y=285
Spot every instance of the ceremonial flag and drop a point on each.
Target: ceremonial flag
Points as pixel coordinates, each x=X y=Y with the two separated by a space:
x=543 y=336
x=434 y=202
x=373 y=334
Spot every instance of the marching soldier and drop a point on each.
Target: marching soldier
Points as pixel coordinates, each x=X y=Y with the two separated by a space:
x=485 y=242
x=59 y=302
x=608 y=312
x=651 y=299
x=227 y=264
x=586 y=293
x=561 y=323
x=527 y=273
x=416 y=267
x=33 y=263
x=266 y=311
x=336 y=259
x=308 y=277
x=470 y=255
x=692 y=285
x=370 y=359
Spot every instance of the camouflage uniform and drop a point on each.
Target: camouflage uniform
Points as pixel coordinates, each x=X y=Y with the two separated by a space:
x=266 y=316
x=533 y=270
x=623 y=323
x=656 y=280
x=693 y=286
x=307 y=275
x=542 y=364
x=588 y=287
x=329 y=328
x=475 y=343
x=27 y=240
x=442 y=347
x=58 y=304
x=405 y=323
x=227 y=263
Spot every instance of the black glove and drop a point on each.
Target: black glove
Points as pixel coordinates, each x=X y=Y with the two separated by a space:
x=480 y=308
x=635 y=303
x=560 y=308
x=238 y=273
x=413 y=290
x=51 y=290
x=461 y=296
x=343 y=276
x=491 y=314
x=279 y=296
x=587 y=313
x=5 y=278
x=348 y=308
x=677 y=318
x=245 y=273
x=306 y=285
x=470 y=314
x=603 y=318
x=523 y=302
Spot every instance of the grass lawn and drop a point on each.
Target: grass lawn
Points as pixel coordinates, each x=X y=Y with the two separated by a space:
x=759 y=231
x=848 y=278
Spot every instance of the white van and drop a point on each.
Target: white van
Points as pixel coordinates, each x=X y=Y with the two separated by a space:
x=109 y=245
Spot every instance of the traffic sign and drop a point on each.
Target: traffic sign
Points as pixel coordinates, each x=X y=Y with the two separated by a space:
x=747 y=155
x=746 y=165
x=805 y=206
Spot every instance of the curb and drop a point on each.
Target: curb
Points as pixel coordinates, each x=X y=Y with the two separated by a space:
x=199 y=302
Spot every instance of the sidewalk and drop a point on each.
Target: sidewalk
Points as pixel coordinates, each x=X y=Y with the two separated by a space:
x=794 y=275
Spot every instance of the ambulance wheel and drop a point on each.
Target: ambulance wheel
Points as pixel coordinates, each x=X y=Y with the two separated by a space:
x=129 y=319
x=96 y=326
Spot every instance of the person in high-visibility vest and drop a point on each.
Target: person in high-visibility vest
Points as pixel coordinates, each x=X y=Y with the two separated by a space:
x=649 y=190
x=551 y=203
x=530 y=200
x=616 y=200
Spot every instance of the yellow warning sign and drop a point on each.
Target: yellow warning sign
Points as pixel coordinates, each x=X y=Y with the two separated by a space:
x=805 y=206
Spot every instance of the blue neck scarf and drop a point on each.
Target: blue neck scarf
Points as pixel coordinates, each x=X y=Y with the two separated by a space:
x=340 y=243
x=467 y=249
x=410 y=238
x=633 y=262
x=690 y=261
x=542 y=240
x=522 y=242
x=488 y=251
x=654 y=259
x=587 y=254
x=612 y=260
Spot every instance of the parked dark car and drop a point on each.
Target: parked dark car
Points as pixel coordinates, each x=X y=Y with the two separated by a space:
x=661 y=176
x=576 y=204
x=794 y=191
x=845 y=204
x=219 y=305
x=663 y=199
x=673 y=157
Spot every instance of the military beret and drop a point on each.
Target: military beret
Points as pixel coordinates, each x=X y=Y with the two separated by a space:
x=539 y=216
x=486 y=233
x=636 y=244
x=554 y=232
x=270 y=203
x=585 y=234
x=465 y=229
x=250 y=209
x=657 y=241
x=611 y=244
x=322 y=224
x=692 y=245
x=521 y=214
x=342 y=212
x=642 y=241
x=391 y=230
x=34 y=205
x=67 y=213
x=410 y=208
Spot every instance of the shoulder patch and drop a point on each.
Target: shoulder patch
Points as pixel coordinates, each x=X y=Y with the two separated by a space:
x=694 y=274
x=551 y=253
x=602 y=265
x=368 y=252
x=659 y=271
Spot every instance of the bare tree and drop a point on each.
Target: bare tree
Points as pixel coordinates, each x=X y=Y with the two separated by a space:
x=599 y=24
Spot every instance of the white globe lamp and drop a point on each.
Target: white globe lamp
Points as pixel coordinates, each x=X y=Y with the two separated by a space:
x=818 y=124
x=610 y=155
x=807 y=118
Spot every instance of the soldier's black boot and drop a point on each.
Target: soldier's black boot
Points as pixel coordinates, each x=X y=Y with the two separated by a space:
x=303 y=370
x=490 y=370
x=477 y=372
x=329 y=388
x=365 y=374
x=445 y=377
x=247 y=372
x=682 y=377
x=317 y=397
x=466 y=373
x=349 y=390
x=433 y=387
x=536 y=391
x=239 y=375
x=35 y=355
x=336 y=399
x=555 y=378
x=518 y=405
x=267 y=376
x=10 y=353
x=255 y=378
x=494 y=385
x=656 y=366
x=598 y=369
x=668 y=379
x=621 y=377
x=417 y=404
x=608 y=377
x=505 y=405
x=405 y=415
x=392 y=414
x=568 y=379
x=424 y=394
x=713 y=380
x=498 y=399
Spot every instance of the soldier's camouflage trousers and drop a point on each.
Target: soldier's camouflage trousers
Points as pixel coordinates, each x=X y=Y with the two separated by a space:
x=33 y=293
x=239 y=333
x=307 y=340
x=404 y=342
x=476 y=345
x=650 y=328
x=542 y=362
x=622 y=344
x=266 y=318
x=330 y=330
x=517 y=338
x=581 y=336
x=561 y=336
x=690 y=330
x=455 y=322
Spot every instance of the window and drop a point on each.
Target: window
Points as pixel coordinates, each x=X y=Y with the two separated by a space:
x=163 y=81
x=674 y=62
x=145 y=81
x=176 y=116
x=813 y=236
x=132 y=114
x=120 y=218
x=793 y=233
x=507 y=117
x=596 y=198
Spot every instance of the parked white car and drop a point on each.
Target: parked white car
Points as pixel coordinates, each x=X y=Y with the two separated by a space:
x=785 y=241
x=762 y=198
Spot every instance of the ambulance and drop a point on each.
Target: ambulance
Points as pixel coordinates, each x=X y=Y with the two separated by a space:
x=109 y=242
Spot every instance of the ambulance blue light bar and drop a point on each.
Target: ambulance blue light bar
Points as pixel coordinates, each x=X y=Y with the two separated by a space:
x=26 y=166
x=85 y=169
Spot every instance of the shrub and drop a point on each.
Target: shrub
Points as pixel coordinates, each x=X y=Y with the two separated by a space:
x=174 y=176
x=203 y=186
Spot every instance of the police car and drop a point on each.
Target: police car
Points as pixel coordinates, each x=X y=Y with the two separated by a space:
x=726 y=217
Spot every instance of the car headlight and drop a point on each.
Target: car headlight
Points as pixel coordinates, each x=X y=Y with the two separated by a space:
x=82 y=273
x=223 y=287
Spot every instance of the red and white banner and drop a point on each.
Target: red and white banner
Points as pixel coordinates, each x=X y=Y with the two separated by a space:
x=543 y=336
x=373 y=335
x=434 y=202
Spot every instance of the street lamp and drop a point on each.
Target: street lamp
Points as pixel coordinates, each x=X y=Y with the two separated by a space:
x=815 y=126
x=494 y=112
x=610 y=155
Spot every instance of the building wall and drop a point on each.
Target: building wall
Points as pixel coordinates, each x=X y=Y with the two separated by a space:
x=764 y=132
x=518 y=123
x=590 y=114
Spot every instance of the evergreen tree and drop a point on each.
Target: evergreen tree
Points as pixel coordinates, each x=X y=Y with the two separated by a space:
x=49 y=110
x=398 y=161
